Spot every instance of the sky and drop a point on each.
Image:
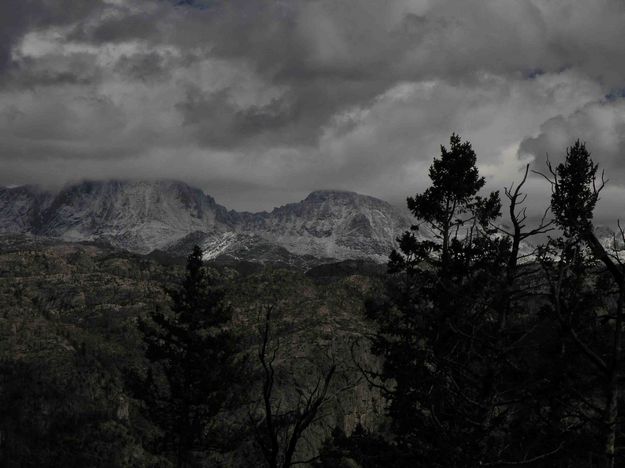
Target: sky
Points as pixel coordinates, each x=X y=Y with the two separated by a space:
x=259 y=102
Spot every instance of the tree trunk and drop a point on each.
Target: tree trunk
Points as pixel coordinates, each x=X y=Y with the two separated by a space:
x=611 y=413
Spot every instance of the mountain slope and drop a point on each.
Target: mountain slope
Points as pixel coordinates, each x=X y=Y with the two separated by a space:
x=142 y=216
x=21 y=208
x=332 y=224
x=138 y=216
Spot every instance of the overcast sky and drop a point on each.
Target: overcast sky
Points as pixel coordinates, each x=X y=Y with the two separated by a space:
x=259 y=102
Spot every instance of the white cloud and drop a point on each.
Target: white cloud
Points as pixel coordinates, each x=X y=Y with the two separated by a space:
x=245 y=96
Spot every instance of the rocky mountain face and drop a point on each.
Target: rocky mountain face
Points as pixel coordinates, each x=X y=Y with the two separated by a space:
x=137 y=216
x=21 y=209
x=330 y=224
x=143 y=216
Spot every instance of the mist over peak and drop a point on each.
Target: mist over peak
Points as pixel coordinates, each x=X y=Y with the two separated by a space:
x=144 y=215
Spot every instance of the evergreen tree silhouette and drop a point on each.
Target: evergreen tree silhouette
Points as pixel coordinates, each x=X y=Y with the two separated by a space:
x=587 y=295
x=196 y=351
x=457 y=357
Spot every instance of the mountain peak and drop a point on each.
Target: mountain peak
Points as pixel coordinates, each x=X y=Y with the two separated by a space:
x=328 y=195
x=331 y=192
x=90 y=184
x=344 y=197
x=143 y=215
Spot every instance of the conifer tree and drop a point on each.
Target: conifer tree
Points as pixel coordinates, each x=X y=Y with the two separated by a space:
x=194 y=351
x=587 y=295
x=456 y=365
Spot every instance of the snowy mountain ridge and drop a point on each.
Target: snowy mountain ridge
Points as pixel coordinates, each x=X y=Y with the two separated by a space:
x=142 y=216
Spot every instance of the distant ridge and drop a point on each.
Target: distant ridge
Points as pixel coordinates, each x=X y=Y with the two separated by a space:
x=143 y=216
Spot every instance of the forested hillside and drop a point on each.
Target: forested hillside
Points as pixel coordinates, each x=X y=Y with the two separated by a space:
x=71 y=350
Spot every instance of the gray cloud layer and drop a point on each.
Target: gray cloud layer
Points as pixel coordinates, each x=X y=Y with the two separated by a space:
x=259 y=102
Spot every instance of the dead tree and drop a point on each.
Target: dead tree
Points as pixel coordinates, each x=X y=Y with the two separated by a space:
x=513 y=331
x=279 y=430
x=517 y=213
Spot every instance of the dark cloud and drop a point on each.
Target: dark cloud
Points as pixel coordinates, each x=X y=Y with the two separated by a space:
x=303 y=94
x=334 y=55
x=17 y=17
x=144 y=66
x=601 y=125
x=77 y=70
x=218 y=120
x=120 y=25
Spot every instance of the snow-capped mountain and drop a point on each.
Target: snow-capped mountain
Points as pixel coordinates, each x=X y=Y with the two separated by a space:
x=333 y=224
x=611 y=239
x=142 y=216
x=138 y=216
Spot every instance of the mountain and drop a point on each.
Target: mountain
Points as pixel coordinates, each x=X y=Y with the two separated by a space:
x=138 y=216
x=332 y=224
x=21 y=208
x=143 y=216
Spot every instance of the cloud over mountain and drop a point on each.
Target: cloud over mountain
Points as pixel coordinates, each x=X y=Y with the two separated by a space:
x=263 y=101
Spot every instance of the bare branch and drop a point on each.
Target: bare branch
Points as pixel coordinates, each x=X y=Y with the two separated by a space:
x=527 y=461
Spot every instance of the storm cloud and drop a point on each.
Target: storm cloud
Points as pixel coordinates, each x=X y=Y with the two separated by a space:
x=260 y=101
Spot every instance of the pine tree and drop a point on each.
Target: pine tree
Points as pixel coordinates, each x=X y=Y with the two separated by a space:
x=194 y=352
x=587 y=294
x=457 y=357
